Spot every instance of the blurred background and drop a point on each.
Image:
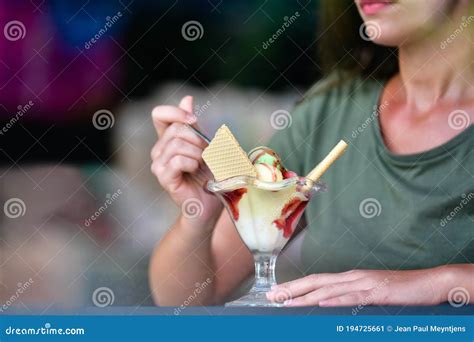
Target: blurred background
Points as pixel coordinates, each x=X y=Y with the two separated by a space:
x=78 y=80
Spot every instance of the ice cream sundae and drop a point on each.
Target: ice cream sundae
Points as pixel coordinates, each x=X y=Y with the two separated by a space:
x=265 y=215
x=264 y=200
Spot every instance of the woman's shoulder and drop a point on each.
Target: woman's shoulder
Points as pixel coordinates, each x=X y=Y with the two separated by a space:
x=328 y=112
x=339 y=87
x=337 y=102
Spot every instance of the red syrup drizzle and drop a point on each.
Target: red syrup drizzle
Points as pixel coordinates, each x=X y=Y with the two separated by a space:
x=289 y=216
x=233 y=198
x=288 y=174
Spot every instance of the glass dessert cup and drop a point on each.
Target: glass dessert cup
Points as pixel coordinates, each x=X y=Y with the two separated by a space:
x=265 y=215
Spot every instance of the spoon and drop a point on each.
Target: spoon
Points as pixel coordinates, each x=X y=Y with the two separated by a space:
x=198 y=133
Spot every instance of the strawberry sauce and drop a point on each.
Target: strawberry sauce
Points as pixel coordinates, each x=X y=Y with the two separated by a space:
x=290 y=214
x=288 y=174
x=232 y=198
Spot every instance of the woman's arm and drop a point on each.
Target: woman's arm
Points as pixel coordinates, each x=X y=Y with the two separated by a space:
x=191 y=265
x=453 y=283
x=189 y=257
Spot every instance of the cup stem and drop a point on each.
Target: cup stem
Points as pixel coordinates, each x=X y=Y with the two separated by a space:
x=264 y=271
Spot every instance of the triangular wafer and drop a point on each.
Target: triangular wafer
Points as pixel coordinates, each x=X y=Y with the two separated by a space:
x=225 y=158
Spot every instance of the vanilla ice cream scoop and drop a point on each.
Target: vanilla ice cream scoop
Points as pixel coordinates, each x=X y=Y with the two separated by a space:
x=268 y=173
x=268 y=165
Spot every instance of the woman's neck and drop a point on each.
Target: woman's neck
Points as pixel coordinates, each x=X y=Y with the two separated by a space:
x=439 y=67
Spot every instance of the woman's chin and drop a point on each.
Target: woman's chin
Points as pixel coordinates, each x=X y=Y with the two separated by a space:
x=382 y=33
x=388 y=41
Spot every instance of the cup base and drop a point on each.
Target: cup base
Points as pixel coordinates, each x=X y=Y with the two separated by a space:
x=254 y=299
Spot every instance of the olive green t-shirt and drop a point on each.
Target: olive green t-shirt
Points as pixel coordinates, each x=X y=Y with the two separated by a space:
x=381 y=210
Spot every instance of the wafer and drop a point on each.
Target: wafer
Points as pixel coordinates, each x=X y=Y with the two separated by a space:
x=225 y=158
x=333 y=155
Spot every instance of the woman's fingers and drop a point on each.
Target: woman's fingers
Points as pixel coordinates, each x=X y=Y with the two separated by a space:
x=365 y=297
x=183 y=164
x=328 y=291
x=293 y=288
x=181 y=147
x=177 y=157
x=312 y=282
x=163 y=116
x=174 y=171
x=186 y=104
x=176 y=168
x=176 y=130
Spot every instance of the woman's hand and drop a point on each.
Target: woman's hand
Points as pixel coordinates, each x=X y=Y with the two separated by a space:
x=178 y=165
x=374 y=287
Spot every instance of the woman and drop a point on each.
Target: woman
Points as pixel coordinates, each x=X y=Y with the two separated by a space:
x=396 y=227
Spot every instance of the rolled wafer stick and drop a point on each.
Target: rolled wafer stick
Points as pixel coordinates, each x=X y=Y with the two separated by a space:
x=335 y=153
